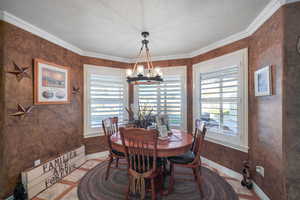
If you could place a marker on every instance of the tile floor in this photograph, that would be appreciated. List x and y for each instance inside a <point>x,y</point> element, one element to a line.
<point>66,189</point>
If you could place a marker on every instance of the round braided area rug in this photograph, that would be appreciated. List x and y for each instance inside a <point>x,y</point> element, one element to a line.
<point>93,185</point>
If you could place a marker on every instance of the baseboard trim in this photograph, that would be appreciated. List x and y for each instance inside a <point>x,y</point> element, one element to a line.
<point>10,198</point>
<point>236,175</point>
<point>259,192</point>
<point>97,155</point>
<point>223,169</point>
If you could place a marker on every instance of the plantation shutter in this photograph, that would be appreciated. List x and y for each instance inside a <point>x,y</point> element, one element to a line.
<point>107,99</point>
<point>220,100</point>
<point>165,98</point>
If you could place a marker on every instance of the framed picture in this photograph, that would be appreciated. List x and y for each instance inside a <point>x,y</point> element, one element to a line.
<point>298,45</point>
<point>51,83</point>
<point>162,122</point>
<point>263,81</point>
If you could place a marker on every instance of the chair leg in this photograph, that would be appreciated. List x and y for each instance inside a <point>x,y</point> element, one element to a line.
<point>108,167</point>
<point>165,167</point>
<point>117,162</point>
<point>128,188</point>
<point>199,181</point>
<point>161,184</point>
<point>195,174</point>
<point>171,179</point>
<point>153,195</point>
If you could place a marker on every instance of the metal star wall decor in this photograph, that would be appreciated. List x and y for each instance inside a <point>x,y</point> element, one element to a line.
<point>75,90</point>
<point>21,111</point>
<point>298,45</point>
<point>20,72</point>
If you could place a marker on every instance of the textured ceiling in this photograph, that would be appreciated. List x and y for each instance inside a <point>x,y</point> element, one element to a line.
<point>113,27</point>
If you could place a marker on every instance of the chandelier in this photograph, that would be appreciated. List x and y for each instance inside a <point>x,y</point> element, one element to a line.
<point>139,75</point>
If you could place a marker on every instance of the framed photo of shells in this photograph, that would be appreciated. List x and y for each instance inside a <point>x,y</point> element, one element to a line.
<point>51,83</point>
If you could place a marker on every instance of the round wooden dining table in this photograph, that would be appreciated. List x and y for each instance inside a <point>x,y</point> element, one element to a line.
<point>176,144</point>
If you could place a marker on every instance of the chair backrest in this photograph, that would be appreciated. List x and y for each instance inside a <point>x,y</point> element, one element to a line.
<point>198,124</point>
<point>200,132</point>
<point>140,149</point>
<point>110,127</point>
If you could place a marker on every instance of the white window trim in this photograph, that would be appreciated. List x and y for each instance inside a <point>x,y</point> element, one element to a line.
<point>88,132</point>
<point>236,58</point>
<point>174,71</point>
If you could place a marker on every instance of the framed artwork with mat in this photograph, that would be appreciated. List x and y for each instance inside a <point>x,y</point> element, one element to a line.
<point>51,83</point>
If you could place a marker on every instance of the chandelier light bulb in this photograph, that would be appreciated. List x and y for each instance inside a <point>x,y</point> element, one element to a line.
<point>140,69</point>
<point>129,72</point>
<point>157,70</point>
<point>160,74</point>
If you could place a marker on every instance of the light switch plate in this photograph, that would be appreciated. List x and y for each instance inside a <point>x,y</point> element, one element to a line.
<point>37,162</point>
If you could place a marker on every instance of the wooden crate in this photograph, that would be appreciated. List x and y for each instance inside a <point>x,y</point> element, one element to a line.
<point>41,177</point>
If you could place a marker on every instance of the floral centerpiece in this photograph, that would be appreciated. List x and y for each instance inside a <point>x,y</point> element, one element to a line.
<point>143,116</point>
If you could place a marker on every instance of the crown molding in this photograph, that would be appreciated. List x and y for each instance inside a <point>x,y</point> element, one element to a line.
<point>170,57</point>
<point>106,57</point>
<point>215,45</point>
<point>289,1</point>
<point>264,15</point>
<point>7,17</point>
<point>1,15</point>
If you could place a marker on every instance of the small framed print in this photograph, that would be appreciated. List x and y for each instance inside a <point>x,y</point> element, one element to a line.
<point>162,122</point>
<point>298,45</point>
<point>263,81</point>
<point>51,83</point>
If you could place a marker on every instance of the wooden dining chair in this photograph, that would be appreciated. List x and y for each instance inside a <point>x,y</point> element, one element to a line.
<point>110,127</point>
<point>142,162</point>
<point>191,159</point>
<point>197,126</point>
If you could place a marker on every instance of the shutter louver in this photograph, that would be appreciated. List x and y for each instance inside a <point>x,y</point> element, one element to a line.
<point>220,101</point>
<point>106,98</point>
<point>164,98</point>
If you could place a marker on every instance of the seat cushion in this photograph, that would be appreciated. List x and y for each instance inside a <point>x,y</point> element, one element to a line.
<point>186,158</point>
<point>118,153</point>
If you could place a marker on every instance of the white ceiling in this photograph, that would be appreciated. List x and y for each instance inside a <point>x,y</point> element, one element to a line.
<point>112,27</point>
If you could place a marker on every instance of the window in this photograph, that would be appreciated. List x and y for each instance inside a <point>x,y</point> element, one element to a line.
<point>221,98</point>
<point>169,97</point>
<point>105,96</point>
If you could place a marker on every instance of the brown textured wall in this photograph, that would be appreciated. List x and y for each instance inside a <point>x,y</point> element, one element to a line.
<point>103,62</point>
<point>240,44</point>
<point>292,100</point>
<point>265,124</point>
<point>49,129</point>
<point>1,105</point>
